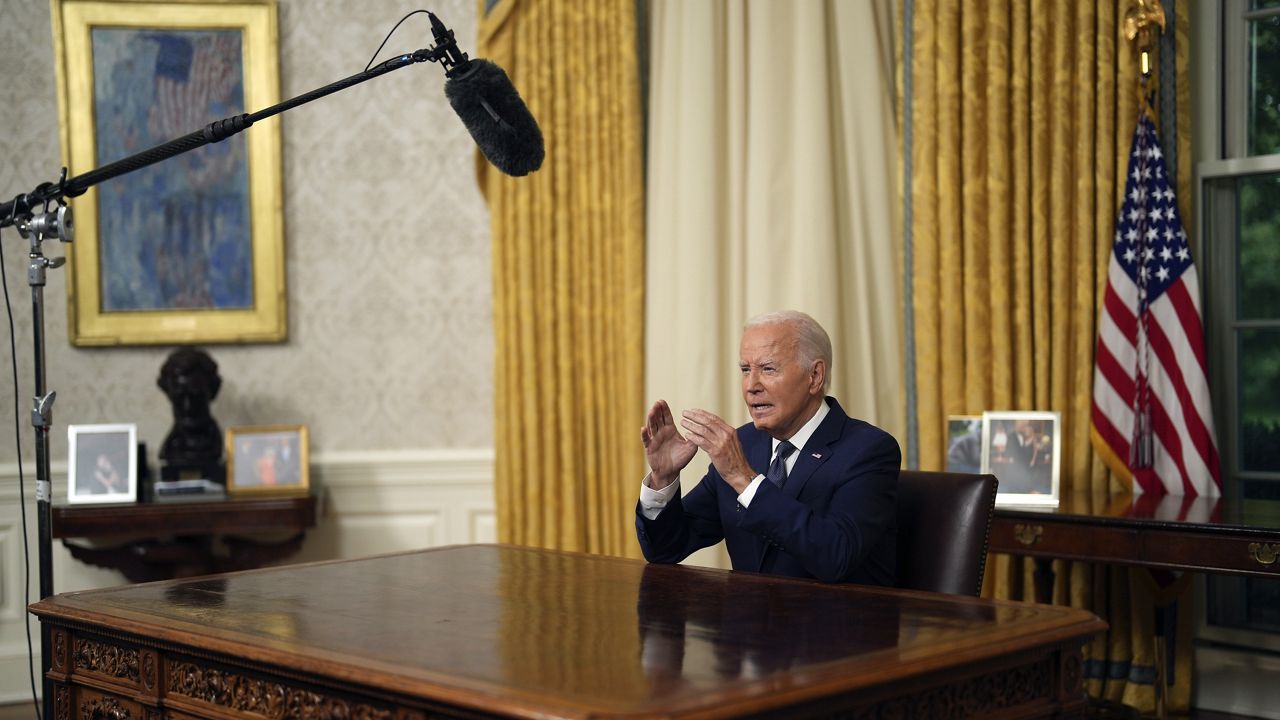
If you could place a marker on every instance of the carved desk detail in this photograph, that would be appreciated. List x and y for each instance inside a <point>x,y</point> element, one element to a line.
<point>263,697</point>
<point>106,659</point>
<point>104,709</point>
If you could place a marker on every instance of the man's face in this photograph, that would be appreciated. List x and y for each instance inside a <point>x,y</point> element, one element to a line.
<point>780,393</point>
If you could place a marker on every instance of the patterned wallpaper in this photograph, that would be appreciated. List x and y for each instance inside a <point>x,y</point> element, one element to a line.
<point>390,333</point>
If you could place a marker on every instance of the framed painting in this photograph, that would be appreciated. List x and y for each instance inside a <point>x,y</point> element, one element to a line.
<point>1023,450</point>
<point>102,463</point>
<point>191,249</point>
<point>268,459</point>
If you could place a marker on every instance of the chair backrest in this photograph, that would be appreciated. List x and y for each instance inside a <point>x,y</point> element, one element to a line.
<point>943,521</point>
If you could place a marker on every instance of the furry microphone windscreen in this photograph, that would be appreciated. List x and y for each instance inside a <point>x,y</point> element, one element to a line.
<point>496,117</point>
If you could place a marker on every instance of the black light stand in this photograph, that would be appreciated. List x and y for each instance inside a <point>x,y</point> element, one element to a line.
<point>30,213</point>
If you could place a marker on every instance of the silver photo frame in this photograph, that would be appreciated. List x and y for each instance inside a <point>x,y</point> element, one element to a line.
<point>102,463</point>
<point>1023,449</point>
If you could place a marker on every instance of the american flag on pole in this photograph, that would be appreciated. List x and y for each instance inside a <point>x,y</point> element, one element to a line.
<point>1152,420</point>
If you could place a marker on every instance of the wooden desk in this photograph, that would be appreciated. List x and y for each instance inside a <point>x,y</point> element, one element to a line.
<point>496,631</point>
<point>158,541</point>
<point>1198,534</point>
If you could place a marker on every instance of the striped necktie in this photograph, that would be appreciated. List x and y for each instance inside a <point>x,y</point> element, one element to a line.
<point>778,468</point>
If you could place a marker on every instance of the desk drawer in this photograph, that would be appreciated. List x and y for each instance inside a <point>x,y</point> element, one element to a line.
<point>1061,540</point>
<point>94,705</point>
<point>1213,553</point>
<point>1204,552</point>
<point>109,662</point>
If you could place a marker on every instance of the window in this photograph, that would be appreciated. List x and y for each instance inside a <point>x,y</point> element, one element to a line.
<point>1239,193</point>
<point>1262,23</point>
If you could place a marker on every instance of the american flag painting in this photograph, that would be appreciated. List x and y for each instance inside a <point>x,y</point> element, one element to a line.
<point>1152,419</point>
<point>176,235</point>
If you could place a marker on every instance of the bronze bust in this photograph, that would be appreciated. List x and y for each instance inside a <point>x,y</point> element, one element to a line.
<point>189,377</point>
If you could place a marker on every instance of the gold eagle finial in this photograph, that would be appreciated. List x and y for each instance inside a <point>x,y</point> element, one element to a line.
<point>1144,21</point>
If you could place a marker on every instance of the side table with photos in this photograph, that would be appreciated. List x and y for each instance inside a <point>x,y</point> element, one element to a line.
<point>220,502</point>
<point>176,538</point>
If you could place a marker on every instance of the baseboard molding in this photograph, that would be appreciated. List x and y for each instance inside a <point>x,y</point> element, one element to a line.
<point>15,680</point>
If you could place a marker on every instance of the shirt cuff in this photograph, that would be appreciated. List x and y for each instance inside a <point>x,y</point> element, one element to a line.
<point>653,501</point>
<point>745,498</point>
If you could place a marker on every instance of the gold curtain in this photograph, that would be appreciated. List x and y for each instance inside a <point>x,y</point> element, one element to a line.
<point>1022,117</point>
<point>568,278</point>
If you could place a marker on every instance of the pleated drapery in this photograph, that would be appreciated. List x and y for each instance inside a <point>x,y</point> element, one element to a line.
<point>568,279</point>
<point>1022,116</point>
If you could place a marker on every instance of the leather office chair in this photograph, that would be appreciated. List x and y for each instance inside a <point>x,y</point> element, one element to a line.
<point>943,522</point>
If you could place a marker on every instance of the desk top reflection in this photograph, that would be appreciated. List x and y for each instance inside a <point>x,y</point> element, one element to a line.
<point>523,632</point>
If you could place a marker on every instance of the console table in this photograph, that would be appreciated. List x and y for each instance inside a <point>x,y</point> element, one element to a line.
<point>499,631</point>
<point>1211,535</point>
<point>163,540</point>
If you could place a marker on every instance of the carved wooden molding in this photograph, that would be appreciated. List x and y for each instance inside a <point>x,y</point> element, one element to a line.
<point>1072,673</point>
<point>59,659</point>
<point>314,706</point>
<point>150,671</point>
<point>973,697</point>
<point>106,659</point>
<point>263,697</point>
<point>61,702</point>
<point>105,709</point>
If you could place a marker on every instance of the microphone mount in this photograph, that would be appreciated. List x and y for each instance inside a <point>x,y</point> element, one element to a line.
<point>446,50</point>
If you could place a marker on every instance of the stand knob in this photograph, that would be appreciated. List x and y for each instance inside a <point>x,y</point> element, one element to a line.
<point>58,223</point>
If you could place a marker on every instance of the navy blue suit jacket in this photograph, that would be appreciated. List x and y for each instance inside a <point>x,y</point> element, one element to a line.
<point>835,518</point>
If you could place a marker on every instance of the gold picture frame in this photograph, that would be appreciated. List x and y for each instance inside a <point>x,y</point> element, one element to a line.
<point>198,257</point>
<point>268,459</point>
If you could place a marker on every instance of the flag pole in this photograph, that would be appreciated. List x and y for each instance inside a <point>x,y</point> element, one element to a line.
<point>1144,22</point>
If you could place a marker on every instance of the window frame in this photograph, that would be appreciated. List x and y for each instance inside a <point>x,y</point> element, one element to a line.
<point>1220,144</point>
<point>1216,211</point>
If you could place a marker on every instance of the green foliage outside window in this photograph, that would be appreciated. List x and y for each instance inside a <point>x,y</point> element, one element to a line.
<point>1264,86</point>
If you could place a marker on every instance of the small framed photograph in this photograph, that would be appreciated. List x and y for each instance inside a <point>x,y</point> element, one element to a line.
<point>964,443</point>
<point>1022,449</point>
<point>268,459</point>
<point>102,466</point>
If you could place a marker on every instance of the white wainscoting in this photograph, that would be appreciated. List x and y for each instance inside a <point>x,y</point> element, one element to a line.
<point>370,503</point>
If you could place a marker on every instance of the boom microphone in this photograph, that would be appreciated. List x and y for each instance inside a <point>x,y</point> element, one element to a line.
<point>479,91</point>
<point>498,120</point>
<point>484,98</point>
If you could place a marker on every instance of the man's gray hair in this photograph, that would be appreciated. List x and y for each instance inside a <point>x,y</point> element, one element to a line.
<point>812,342</point>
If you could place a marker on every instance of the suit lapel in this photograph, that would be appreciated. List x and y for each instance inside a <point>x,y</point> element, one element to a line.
<point>817,451</point>
<point>759,452</point>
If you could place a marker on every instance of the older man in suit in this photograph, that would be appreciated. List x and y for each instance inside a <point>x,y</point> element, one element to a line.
<point>803,490</point>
